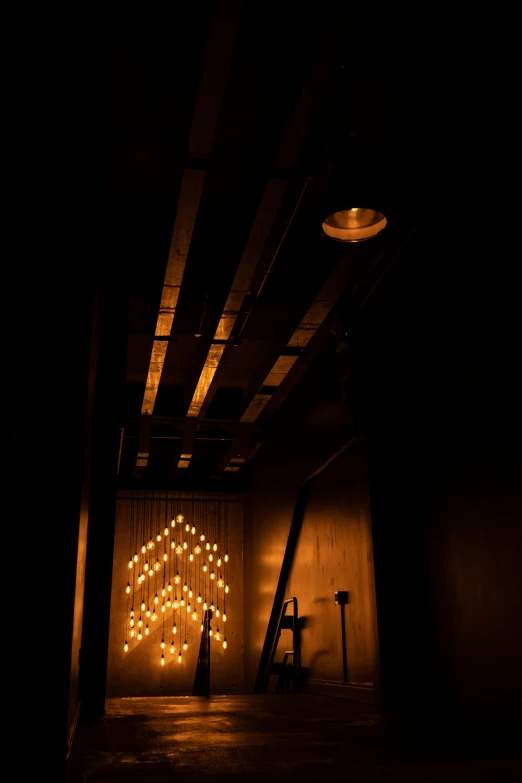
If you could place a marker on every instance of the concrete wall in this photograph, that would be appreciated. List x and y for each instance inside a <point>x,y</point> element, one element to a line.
<point>335,553</point>
<point>138,672</point>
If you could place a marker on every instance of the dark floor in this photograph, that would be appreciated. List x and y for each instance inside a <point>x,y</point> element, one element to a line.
<point>286,738</point>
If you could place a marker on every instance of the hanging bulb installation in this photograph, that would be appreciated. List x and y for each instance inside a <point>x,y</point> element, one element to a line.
<point>140,623</point>
<point>193,530</point>
<point>162,645</point>
<point>172,649</point>
<point>197,549</point>
<point>143,606</point>
<point>185,645</point>
<point>154,617</point>
<point>214,546</point>
<point>135,557</point>
<point>202,537</point>
<point>151,544</point>
<point>220,582</point>
<point>127,589</point>
<point>225,643</point>
<point>224,617</point>
<point>146,630</point>
<point>158,537</point>
<point>131,563</point>
<point>125,646</point>
<point>177,579</point>
<point>166,531</point>
<point>226,557</point>
<point>179,519</point>
<point>133,633</point>
<point>143,549</point>
<point>187,527</point>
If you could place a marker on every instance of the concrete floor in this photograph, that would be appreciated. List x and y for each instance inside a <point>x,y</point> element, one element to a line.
<point>286,738</point>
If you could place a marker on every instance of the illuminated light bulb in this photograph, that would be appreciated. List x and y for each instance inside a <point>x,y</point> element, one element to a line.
<point>197,549</point>
<point>211,557</point>
<point>214,546</point>
<point>217,612</point>
<point>191,557</point>
<point>177,579</point>
<point>218,635</point>
<point>172,649</point>
<point>202,537</point>
<point>220,582</point>
<point>188,608</point>
<point>146,630</point>
<point>187,527</point>
<point>195,616</point>
<point>185,645</point>
<point>182,602</point>
<point>139,637</point>
<point>185,545</point>
<point>179,549</point>
<point>158,537</point>
<point>226,557</point>
<point>147,613</point>
<point>163,660</point>
<point>151,572</point>
<point>225,643</point>
<point>166,531</point>
<point>185,587</point>
<point>219,562</point>
<point>131,623</point>
<point>143,549</point>
<point>211,632</point>
<point>207,545</point>
<point>174,629</point>
<point>168,602</point>
<point>180,518</point>
<point>205,567</point>
<point>202,627</point>
<point>227,588</point>
<point>163,607</point>
<point>143,606</point>
<point>175,603</point>
<point>179,658</point>
<point>151,544</point>
<point>173,545</point>
<point>212,606</point>
<point>135,557</point>
<point>199,598</point>
<point>165,557</point>
<point>224,617</point>
<point>193,530</point>
<point>169,587</point>
<point>131,563</point>
<point>125,646</point>
<point>156,599</point>
<point>140,623</point>
<point>132,612</point>
<point>173,523</point>
<point>146,566</point>
<point>212,575</point>
<point>163,590</point>
<point>139,579</point>
<point>162,645</point>
<point>133,633</point>
<point>157,565</point>
<point>154,617</point>
<point>190,592</point>
<point>127,589</point>
<point>205,606</point>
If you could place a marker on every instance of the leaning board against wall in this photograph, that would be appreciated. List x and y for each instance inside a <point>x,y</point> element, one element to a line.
<point>174,556</point>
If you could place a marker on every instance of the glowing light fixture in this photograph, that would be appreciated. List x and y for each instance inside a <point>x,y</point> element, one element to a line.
<point>354,225</point>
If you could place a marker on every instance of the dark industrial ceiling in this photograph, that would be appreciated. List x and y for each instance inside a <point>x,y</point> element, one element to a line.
<point>233,130</point>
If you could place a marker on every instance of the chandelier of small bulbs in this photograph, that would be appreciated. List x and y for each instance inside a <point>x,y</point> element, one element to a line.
<point>175,576</point>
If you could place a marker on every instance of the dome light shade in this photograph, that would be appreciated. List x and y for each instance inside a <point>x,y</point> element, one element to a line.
<point>354,225</point>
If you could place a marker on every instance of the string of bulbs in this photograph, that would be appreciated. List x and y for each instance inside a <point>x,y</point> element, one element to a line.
<point>174,574</point>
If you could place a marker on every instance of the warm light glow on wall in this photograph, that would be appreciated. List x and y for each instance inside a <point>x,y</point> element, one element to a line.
<point>158,547</point>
